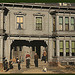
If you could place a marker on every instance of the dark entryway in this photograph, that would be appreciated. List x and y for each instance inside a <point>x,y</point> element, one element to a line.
<point>34,44</point>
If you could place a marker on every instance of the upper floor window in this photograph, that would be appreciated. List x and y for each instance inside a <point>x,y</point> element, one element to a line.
<point>72,23</point>
<point>66,23</point>
<point>19,22</point>
<point>38,23</point>
<point>61,48</point>
<point>60,23</point>
<point>73,48</point>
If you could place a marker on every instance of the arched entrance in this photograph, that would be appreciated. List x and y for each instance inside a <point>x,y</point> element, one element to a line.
<point>20,48</point>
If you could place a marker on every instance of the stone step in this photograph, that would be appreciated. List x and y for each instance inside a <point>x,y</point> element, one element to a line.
<point>40,63</point>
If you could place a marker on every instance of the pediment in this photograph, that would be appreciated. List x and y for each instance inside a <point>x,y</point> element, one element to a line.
<point>38,14</point>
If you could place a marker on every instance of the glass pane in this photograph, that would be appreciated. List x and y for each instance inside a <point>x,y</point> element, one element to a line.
<point>21,19</point>
<point>60,27</point>
<point>21,25</point>
<point>73,46</point>
<point>39,26</point>
<point>18,19</point>
<point>67,50</point>
<point>67,44</point>
<point>73,50</point>
<point>61,44</point>
<point>66,20</point>
<point>61,50</point>
<point>72,27</point>
<point>66,27</point>
<point>72,20</point>
<point>60,20</point>
<point>38,19</point>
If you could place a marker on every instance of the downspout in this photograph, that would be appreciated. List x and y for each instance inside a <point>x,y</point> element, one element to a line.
<point>4,35</point>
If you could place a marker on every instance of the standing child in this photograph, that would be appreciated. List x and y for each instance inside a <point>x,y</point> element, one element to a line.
<point>19,67</point>
<point>27,60</point>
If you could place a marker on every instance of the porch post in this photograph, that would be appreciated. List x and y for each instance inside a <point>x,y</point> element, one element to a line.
<point>1,49</point>
<point>7,48</point>
<point>50,50</point>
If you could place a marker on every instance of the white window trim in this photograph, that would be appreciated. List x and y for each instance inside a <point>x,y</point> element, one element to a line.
<point>43,21</point>
<point>24,22</point>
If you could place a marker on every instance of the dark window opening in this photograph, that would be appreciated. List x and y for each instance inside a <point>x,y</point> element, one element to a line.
<point>67,53</point>
<point>61,53</point>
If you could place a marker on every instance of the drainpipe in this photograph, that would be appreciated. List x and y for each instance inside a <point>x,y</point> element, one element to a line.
<point>4,35</point>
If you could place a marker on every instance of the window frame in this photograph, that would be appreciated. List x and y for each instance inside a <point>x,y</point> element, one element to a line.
<point>73,24</point>
<point>61,53</point>
<point>19,22</point>
<point>67,53</point>
<point>39,24</point>
<point>24,21</point>
<point>61,24</point>
<point>66,24</point>
<point>73,53</point>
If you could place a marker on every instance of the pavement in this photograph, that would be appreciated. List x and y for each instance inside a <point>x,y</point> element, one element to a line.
<point>39,69</point>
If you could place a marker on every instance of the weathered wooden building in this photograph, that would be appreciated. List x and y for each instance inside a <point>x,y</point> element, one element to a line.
<point>33,27</point>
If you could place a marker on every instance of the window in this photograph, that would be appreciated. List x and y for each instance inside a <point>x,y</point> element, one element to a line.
<point>19,22</point>
<point>38,23</point>
<point>73,48</point>
<point>67,48</point>
<point>54,27</point>
<point>72,23</point>
<point>61,48</point>
<point>66,23</point>
<point>54,46</point>
<point>60,23</point>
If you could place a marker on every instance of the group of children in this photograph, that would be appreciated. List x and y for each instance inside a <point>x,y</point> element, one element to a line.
<point>17,60</point>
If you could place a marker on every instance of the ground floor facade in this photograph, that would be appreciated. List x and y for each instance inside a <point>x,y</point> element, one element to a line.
<point>59,49</point>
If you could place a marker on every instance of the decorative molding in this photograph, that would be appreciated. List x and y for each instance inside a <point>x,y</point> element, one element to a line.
<point>38,14</point>
<point>20,13</point>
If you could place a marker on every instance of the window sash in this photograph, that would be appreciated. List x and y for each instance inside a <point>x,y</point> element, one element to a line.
<point>38,20</point>
<point>66,20</point>
<point>67,44</point>
<point>61,44</point>
<point>72,20</point>
<point>19,26</point>
<point>60,20</point>
<point>73,50</point>
<point>67,49</point>
<point>61,49</point>
<point>38,23</point>
<point>73,44</point>
<point>19,22</point>
<point>19,19</point>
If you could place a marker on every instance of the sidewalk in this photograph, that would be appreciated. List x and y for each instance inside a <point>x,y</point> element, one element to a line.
<point>39,70</point>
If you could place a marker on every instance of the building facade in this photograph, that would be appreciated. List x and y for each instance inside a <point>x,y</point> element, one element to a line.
<point>34,27</point>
